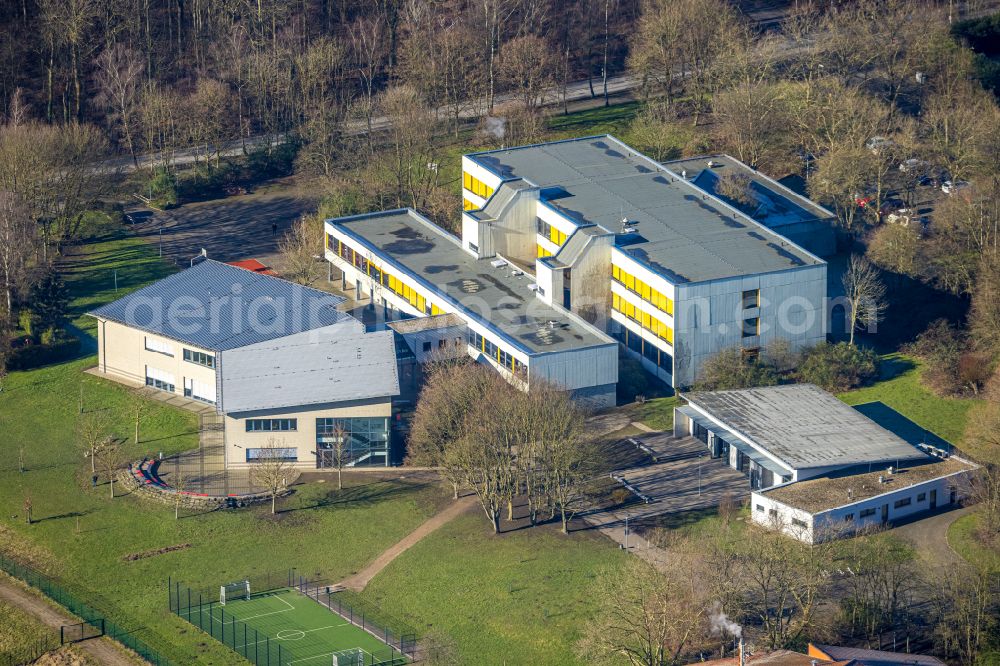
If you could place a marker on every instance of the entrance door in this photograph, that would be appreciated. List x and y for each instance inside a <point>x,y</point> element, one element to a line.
<point>953,496</point>
<point>885,513</point>
<point>933,499</point>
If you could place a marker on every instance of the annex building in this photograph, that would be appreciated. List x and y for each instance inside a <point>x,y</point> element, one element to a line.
<point>819,468</point>
<point>277,359</point>
<point>572,249</point>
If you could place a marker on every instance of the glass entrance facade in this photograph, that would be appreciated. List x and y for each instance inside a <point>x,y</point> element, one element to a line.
<point>366,441</point>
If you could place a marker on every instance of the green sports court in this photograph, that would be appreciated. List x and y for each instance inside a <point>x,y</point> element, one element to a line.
<point>285,627</point>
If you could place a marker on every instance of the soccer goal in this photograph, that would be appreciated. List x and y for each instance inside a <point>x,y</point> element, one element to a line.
<point>238,590</point>
<point>349,657</point>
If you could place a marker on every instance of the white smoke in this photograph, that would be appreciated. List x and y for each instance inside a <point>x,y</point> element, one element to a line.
<point>496,126</point>
<point>721,624</point>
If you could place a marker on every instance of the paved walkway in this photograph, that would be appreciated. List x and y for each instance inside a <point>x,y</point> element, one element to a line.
<point>686,479</point>
<point>360,580</point>
<point>100,649</point>
<point>929,536</point>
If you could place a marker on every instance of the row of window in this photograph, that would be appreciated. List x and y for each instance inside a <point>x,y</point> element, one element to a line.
<point>542,252</point>
<point>503,358</point>
<point>159,346</point>
<point>160,384</point>
<point>640,345</point>
<point>659,300</point>
<point>201,358</point>
<point>644,319</point>
<point>548,231</point>
<point>272,425</point>
<point>468,205</point>
<point>751,299</point>
<point>381,276</point>
<point>476,186</point>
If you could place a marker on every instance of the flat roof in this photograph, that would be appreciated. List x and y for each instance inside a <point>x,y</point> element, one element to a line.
<point>856,484</point>
<point>681,232</point>
<point>774,205</point>
<point>804,426</point>
<point>877,657</point>
<point>317,367</point>
<point>432,323</point>
<point>498,297</point>
<point>217,306</point>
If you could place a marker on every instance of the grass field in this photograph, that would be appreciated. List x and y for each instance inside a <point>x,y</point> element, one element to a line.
<point>900,388</point>
<point>963,539</point>
<point>286,627</point>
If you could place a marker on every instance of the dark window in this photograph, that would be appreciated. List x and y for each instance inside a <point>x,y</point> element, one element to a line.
<point>760,507</point>
<point>773,513</point>
<point>441,343</point>
<point>799,523</point>
<point>199,358</point>
<point>901,503</point>
<point>867,512</point>
<point>921,497</point>
<point>160,384</point>
<point>751,298</point>
<point>849,518</point>
<point>474,247</point>
<point>272,425</point>
<point>366,440</point>
<point>427,346</point>
<point>751,327</point>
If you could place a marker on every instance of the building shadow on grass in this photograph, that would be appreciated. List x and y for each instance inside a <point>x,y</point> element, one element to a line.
<point>367,494</point>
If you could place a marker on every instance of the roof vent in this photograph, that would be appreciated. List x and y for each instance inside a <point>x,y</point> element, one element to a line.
<point>881,479</point>
<point>533,287</point>
<point>552,323</point>
<point>711,163</point>
<point>498,263</point>
<point>891,471</point>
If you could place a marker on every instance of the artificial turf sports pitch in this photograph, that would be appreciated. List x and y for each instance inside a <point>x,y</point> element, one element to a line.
<point>307,633</point>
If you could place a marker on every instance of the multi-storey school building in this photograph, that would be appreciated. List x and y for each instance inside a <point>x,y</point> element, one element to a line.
<point>570,247</point>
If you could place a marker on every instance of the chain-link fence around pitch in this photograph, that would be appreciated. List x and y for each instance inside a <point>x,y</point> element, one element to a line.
<point>254,638</point>
<point>96,620</point>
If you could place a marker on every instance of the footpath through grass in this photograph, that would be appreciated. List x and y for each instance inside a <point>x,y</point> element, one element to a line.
<point>111,551</point>
<point>522,597</point>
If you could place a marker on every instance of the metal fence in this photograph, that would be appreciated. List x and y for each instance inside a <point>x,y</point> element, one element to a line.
<point>324,594</point>
<point>202,609</point>
<point>27,654</point>
<point>83,610</point>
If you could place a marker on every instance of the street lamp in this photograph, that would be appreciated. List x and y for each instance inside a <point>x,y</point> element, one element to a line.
<point>161,242</point>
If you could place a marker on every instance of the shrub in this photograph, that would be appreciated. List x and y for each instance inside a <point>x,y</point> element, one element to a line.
<point>162,188</point>
<point>27,319</point>
<point>949,367</point>
<point>733,368</point>
<point>62,348</point>
<point>620,496</point>
<point>838,367</point>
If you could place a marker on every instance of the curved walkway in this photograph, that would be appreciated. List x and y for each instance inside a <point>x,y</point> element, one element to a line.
<point>360,580</point>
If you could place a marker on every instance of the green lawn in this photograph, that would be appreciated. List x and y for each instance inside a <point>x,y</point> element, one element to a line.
<point>517,598</point>
<point>900,388</point>
<point>612,119</point>
<point>962,538</point>
<point>82,536</point>
<point>657,413</point>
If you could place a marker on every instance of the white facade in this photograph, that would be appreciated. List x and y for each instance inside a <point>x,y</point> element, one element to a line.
<point>942,492</point>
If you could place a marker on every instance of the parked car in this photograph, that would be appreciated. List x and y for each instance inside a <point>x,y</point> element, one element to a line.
<point>877,143</point>
<point>952,186</point>
<point>913,165</point>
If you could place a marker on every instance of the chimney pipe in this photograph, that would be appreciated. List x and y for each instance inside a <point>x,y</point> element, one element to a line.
<point>742,653</point>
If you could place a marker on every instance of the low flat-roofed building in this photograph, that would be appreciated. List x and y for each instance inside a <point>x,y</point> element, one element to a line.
<point>843,502</point>
<point>411,268</point>
<point>866,657</point>
<point>779,434</point>
<point>277,359</point>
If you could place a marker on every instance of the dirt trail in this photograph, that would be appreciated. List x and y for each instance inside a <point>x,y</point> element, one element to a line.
<point>360,580</point>
<point>99,649</point>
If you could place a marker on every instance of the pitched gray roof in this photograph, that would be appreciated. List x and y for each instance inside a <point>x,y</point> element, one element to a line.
<point>216,306</point>
<point>804,426</point>
<point>682,232</point>
<point>329,365</point>
<point>878,657</point>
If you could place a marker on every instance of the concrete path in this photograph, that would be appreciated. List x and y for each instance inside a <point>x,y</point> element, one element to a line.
<point>685,480</point>
<point>360,580</point>
<point>929,536</point>
<point>100,649</point>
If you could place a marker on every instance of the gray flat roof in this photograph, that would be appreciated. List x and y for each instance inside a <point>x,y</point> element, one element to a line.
<point>495,297</point>
<point>317,367</point>
<point>775,205</point>
<point>432,323</point>
<point>216,306</point>
<point>804,426</point>
<point>681,231</point>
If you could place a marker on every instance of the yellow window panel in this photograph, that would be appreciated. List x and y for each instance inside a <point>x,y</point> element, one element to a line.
<point>435,310</point>
<point>615,272</point>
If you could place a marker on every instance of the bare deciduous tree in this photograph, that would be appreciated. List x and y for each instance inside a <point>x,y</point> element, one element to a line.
<point>92,430</point>
<point>17,244</point>
<point>271,470</point>
<point>111,454</point>
<point>118,78</point>
<point>137,407</point>
<point>864,294</point>
<point>648,617</point>
<point>299,250</point>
